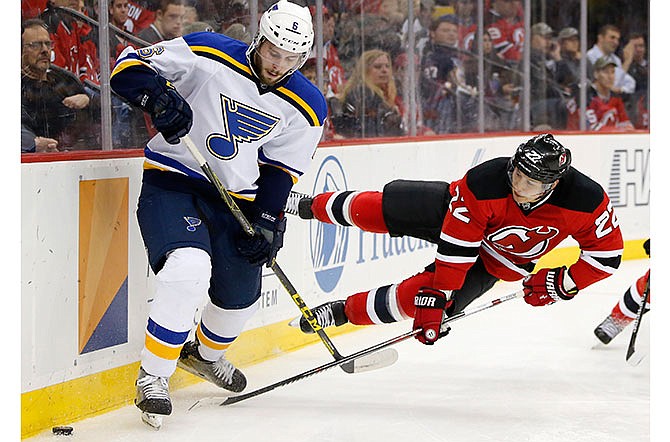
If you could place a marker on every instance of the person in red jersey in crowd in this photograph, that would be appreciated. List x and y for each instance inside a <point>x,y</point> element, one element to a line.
<point>605,108</point>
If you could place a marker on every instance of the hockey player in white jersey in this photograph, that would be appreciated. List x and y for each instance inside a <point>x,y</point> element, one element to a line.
<point>257,122</point>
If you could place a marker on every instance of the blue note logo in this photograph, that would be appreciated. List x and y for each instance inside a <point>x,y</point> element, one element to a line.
<point>241,124</point>
<point>192,223</point>
<point>328,242</point>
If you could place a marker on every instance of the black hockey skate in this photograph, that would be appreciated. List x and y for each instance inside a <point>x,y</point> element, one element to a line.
<point>153,395</point>
<point>326,315</point>
<point>221,372</point>
<point>305,208</point>
<point>608,329</point>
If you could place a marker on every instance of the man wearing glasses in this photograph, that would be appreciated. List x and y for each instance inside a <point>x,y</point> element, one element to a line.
<point>51,99</point>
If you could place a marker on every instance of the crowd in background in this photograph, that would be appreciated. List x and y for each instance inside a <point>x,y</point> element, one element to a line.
<point>382,75</point>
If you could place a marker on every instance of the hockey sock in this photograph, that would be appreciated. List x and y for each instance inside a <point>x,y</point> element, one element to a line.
<point>181,286</point>
<point>219,327</point>
<point>349,208</point>
<point>626,309</point>
<point>390,303</point>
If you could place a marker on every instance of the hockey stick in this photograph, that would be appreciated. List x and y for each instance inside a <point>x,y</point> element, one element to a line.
<point>636,327</point>
<point>351,365</point>
<point>467,312</point>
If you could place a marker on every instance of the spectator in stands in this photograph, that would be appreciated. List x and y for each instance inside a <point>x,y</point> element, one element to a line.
<point>361,32</point>
<point>448,101</point>
<point>74,46</point>
<point>142,13</point>
<point>190,15</point>
<point>309,70</point>
<point>239,32</point>
<point>52,100</point>
<point>236,12</point>
<point>636,64</point>
<point>605,109</point>
<point>501,88</point>
<point>334,68</point>
<point>369,99</point>
<point>168,23</point>
<point>405,89</point>
<point>118,16</point>
<point>390,11</point>
<point>606,45</point>
<point>505,23</point>
<point>548,106</point>
<point>467,23</point>
<point>423,15</point>
<point>569,64</point>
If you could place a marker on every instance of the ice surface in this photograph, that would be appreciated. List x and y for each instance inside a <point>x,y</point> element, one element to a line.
<point>510,373</point>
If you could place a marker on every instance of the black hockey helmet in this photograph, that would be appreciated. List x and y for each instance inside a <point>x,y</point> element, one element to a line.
<point>541,158</point>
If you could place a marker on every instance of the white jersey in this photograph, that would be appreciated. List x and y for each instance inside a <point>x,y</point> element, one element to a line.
<point>237,124</point>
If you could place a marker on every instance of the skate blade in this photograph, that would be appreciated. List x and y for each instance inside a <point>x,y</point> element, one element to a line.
<point>155,421</point>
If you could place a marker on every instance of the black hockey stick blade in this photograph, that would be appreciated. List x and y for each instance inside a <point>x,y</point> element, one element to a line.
<point>636,327</point>
<point>367,351</point>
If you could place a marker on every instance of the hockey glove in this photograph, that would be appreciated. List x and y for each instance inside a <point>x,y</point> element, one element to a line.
<point>548,286</point>
<point>170,114</point>
<point>430,306</point>
<point>262,247</point>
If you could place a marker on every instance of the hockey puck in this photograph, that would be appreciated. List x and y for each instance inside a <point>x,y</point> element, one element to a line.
<point>62,430</point>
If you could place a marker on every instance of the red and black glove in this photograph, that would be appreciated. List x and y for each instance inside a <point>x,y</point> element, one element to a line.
<point>548,286</point>
<point>430,306</point>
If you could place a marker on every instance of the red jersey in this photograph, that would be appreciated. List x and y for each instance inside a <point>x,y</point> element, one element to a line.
<point>32,8</point>
<point>336,77</point>
<point>73,45</point>
<point>141,15</point>
<point>507,36</point>
<point>467,33</point>
<point>483,220</point>
<point>601,113</point>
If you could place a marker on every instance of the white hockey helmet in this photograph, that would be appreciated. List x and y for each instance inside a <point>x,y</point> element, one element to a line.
<point>287,26</point>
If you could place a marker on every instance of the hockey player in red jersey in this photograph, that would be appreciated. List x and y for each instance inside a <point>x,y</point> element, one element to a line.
<point>492,224</point>
<point>626,309</point>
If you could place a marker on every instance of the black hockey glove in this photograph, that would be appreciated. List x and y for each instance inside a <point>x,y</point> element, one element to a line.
<point>431,305</point>
<point>262,247</point>
<point>170,114</point>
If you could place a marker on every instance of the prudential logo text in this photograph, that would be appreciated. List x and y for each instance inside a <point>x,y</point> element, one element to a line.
<point>328,242</point>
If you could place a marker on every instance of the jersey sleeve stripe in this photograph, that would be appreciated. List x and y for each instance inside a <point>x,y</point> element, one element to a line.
<point>222,57</point>
<point>174,165</point>
<point>263,159</point>
<point>300,104</point>
<point>459,242</point>
<point>128,62</point>
<point>455,259</point>
<point>607,265</point>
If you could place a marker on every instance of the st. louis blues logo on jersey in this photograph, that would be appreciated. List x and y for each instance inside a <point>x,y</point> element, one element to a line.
<point>242,124</point>
<point>192,222</point>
